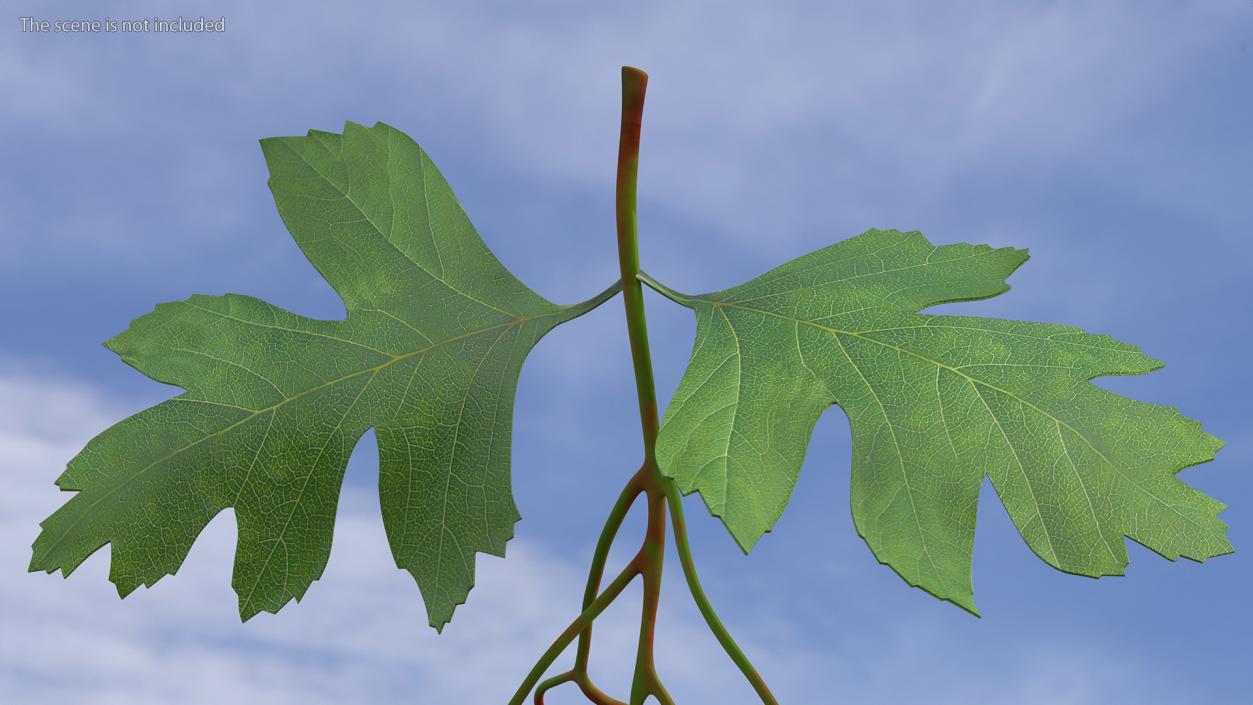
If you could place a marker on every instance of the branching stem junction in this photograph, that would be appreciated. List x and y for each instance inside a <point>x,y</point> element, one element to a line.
<point>658,491</point>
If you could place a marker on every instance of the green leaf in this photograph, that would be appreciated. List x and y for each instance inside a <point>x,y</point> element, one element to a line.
<point>935,403</point>
<point>428,355</point>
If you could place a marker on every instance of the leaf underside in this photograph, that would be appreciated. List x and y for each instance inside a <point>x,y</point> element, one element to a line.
<point>428,355</point>
<point>935,403</point>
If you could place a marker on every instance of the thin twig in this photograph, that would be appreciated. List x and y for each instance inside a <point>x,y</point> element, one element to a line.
<point>578,625</point>
<point>702,602</point>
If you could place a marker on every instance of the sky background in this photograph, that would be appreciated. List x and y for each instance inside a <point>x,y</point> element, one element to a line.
<point>1113,139</point>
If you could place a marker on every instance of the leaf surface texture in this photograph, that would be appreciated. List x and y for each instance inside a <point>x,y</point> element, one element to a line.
<point>428,355</point>
<point>935,403</point>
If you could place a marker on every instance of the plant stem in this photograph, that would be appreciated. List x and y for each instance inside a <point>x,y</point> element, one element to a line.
<point>645,681</point>
<point>634,82</point>
<point>551,683</point>
<point>593,693</point>
<point>702,602</point>
<point>597,570</point>
<point>580,678</point>
<point>584,306</point>
<point>577,626</point>
<point>659,491</point>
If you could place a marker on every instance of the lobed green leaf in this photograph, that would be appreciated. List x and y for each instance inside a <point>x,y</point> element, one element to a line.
<point>936,403</point>
<point>428,355</point>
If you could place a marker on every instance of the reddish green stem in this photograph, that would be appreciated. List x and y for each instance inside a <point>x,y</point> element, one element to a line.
<point>702,602</point>
<point>576,627</point>
<point>634,83</point>
<point>597,570</point>
<point>658,490</point>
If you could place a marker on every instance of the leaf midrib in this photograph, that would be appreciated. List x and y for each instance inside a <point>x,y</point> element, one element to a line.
<point>900,456</point>
<point>384,236</point>
<point>280,539</point>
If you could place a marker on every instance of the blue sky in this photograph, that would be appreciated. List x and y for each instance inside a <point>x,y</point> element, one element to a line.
<point>1110,138</point>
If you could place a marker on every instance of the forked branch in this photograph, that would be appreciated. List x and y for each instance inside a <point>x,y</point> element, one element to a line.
<point>659,491</point>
